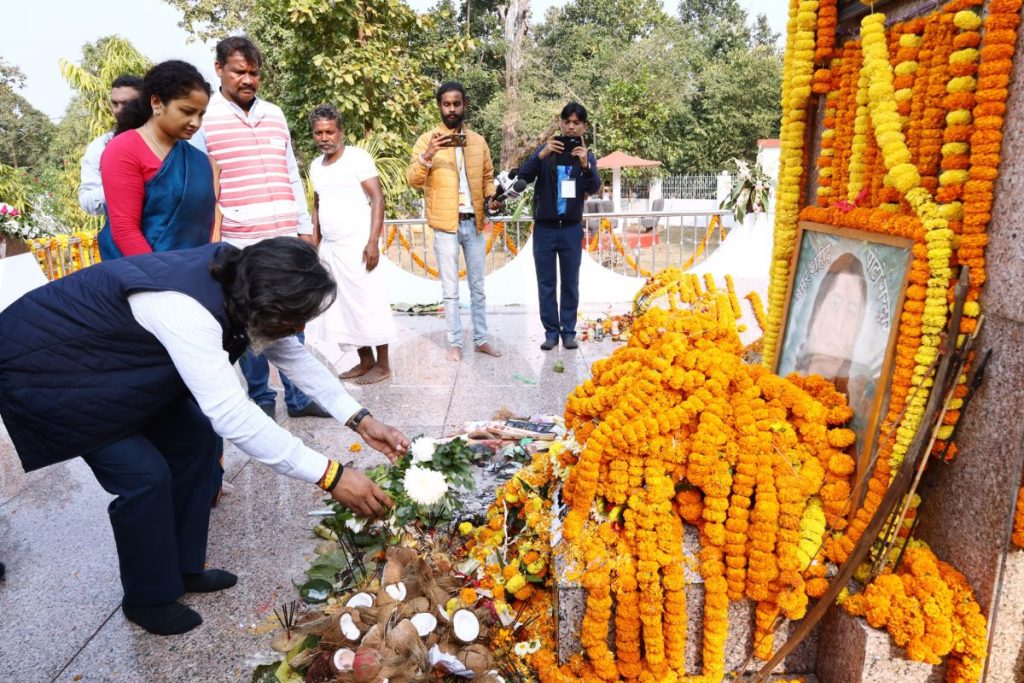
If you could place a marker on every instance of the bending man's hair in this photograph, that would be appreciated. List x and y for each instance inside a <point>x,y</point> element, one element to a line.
<point>273,285</point>
<point>170,80</point>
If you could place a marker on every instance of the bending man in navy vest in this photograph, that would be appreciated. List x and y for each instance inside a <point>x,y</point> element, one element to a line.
<point>566,173</point>
<point>127,364</point>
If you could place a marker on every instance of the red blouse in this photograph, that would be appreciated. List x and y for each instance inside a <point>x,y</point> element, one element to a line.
<point>126,166</point>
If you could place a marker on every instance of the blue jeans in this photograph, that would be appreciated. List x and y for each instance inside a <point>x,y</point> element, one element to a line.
<point>446,249</point>
<point>256,371</point>
<point>566,246</point>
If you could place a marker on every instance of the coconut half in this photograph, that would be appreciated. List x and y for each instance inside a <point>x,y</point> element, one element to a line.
<point>342,659</point>
<point>465,625</point>
<point>396,591</point>
<point>348,627</point>
<point>424,622</point>
<point>360,600</point>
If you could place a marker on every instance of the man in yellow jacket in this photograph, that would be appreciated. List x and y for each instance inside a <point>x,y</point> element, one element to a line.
<point>452,165</point>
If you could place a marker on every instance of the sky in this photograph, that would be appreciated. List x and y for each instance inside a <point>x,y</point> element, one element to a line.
<point>44,31</point>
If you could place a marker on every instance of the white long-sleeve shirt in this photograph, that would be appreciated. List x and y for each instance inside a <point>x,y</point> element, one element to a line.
<point>193,339</point>
<point>90,191</point>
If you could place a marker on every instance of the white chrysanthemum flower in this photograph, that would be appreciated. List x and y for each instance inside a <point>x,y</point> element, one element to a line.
<point>355,524</point>
<point>423,449</point>
<point>521,649</point>
<point>424,486</point>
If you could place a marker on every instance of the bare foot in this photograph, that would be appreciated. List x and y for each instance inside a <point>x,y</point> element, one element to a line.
<point>376,374</point>
<point>357,371</point>
<point>455,354</point>
<point>488,349</point>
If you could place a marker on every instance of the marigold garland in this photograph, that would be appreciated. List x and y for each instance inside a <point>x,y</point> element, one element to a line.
<point>678,409</point>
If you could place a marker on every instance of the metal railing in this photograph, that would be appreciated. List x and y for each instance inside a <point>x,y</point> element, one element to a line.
<point>633,244</point>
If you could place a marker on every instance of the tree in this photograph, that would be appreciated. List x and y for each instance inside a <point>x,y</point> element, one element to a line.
<point>367,57</point>
<point>102,62</point>
<point>515,15</point>
<point>214,19</point>
<point>24,130</point>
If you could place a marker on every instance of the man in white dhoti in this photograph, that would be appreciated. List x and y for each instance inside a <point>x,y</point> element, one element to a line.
<point>348,217</point>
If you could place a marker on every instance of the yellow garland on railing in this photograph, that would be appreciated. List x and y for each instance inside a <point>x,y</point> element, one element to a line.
<point>64,254</point>
<point>498,231</point>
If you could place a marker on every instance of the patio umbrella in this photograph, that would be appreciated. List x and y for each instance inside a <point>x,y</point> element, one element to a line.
<point>617,161</point>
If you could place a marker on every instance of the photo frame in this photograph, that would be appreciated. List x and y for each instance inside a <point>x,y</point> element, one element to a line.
<point>841,318</point>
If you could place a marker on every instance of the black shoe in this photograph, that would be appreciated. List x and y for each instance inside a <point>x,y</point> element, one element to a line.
<point>312,410</point>
<point>163,620</point>
<point>270,409</point>
<point>569,341</point>
<point>549,343</point>
<point>209,581</point>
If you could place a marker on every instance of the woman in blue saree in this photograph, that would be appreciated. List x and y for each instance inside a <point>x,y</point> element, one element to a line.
<point>161,191</point>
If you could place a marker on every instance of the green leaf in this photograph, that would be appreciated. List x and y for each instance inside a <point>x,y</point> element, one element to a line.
<point>315,590</point>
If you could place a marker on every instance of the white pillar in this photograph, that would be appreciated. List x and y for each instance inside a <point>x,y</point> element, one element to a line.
<point>654,191</point>
<point>617,189</point>
<point>724,187</point>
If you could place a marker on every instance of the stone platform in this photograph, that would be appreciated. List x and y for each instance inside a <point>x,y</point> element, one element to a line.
<point>59,607</point>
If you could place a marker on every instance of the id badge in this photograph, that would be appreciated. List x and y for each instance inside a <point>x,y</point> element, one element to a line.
<point>569,189</point>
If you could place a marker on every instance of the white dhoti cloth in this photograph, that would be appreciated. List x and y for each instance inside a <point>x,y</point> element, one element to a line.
<point>361,314</point>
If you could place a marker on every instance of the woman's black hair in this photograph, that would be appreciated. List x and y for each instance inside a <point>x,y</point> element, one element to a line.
<point>170,80</point>
<point>326,112</point>
<point>273,285</point>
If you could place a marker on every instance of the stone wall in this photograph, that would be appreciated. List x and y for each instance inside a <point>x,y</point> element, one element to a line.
<point>967,515</point>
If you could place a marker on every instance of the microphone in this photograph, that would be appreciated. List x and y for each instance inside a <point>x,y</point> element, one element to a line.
<point>510,188</point>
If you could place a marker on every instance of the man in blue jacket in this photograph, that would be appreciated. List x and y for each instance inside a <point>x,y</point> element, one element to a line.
<point>566,173</point>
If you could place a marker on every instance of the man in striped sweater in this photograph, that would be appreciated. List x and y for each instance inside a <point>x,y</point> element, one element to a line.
<point>261,192</point>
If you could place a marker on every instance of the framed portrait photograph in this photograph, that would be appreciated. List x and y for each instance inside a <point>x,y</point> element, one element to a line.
<point>842,315</point>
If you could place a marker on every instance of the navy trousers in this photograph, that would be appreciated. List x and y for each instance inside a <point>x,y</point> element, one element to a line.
<point>164,477</point>
<point>557,253</point>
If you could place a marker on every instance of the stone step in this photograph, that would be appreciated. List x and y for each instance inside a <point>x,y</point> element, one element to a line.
<point>850,651</point>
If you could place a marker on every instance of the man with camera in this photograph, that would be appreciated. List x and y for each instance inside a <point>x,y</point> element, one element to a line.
<point>452,165</point>
<point>566,173</point>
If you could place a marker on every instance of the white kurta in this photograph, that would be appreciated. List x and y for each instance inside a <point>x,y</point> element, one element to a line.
<point>361,315</point>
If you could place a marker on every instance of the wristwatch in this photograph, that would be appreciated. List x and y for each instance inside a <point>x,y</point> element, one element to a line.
<point>423,160</point>
<point>353,422</point>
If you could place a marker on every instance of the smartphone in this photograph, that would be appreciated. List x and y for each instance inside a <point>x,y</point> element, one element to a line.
<point>569,142</point>
<point>457,140</point>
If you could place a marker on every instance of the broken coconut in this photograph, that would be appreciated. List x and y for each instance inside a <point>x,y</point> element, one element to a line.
<point>348,627</point>
<point>465,625</point>
<point>424,622</point>
<point>396,591</point>
<point>360,600</point>
<point>342,660</point>
<point>366,665</point>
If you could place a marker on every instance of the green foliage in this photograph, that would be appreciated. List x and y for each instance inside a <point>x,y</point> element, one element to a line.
<point>750,190</point>
<point>15,189</point>
<point>24,130</point>
<point>102,62</point>
<point>370,58</point>
<point>214,19</point>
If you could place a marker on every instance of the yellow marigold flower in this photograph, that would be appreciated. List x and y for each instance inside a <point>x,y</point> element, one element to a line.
<point>966,20</point>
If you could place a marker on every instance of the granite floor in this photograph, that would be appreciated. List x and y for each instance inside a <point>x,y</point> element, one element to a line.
<point>59,607</point>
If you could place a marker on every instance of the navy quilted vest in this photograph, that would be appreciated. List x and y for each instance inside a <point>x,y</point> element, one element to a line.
<point>77,372</point>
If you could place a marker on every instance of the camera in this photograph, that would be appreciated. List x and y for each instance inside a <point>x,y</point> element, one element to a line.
<point>457,140</point>
<point>569,142</point>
